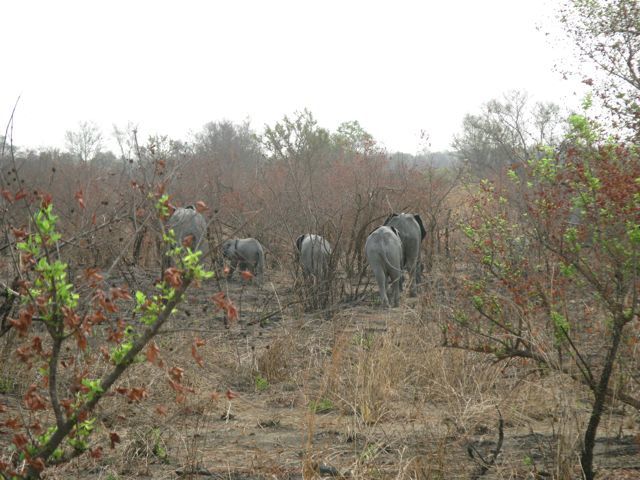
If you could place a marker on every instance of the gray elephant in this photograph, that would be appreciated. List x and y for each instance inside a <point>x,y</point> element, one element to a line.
<point>384,253</point>
<point>189,228</point>
<point>315,253</point>
<point>412,233</point>
<point>245,253</point>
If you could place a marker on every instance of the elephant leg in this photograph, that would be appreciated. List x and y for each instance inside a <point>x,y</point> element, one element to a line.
<point>413,280</point>
<point>419,267</point>
<point>232,268</point>
<point>260,269</point>
<point>396,280</point>
<point>381,279</point>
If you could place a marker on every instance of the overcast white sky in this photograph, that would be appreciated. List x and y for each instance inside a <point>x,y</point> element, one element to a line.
<point>398,67</point>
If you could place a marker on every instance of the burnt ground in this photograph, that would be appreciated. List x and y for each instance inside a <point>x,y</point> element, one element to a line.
<point>368,393</point>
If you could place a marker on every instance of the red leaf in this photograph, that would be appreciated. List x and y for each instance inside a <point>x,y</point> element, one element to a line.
<point>7,196</point>
<point>231,394</point>
<point>114,438</point>
<point>223,303</point>
<point>161,410</point>
<point>187,241</point>
<point>137,394</point>
<point>38,464</point>
<point>79,197</point>
<point>196,356</point>
<point>173,277</point>
<point>33,400</point>
<point>96,453</point>
<point>246,275</point>
<point>93,275</point>
<point>177,374</point>
<point>152,352</point>
<point>45,199</point>
<point>13,423</point>
<point>18,233</point>
<point>119,292</point>
<point>20,440</point>
<point>20,194</point>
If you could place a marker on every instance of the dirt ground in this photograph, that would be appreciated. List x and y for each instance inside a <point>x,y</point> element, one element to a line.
<point>366,393</point>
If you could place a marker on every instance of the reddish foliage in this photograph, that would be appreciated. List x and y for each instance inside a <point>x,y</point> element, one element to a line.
<point>230,394</point>
<point>201,206</point>
<point>33,400</point>
<point>153,354</point>
<point>187,241</point>
<point>114,438</point>
<point>120,293</point>
<point>133,394</point>
<point>19,233</point>
<point>246,275</point>
<point>20,194</point>
<point>176,374</point>
<point>13,423</point>
<point>194,351</point>
<point>96,453</point>
<point>20,440</point>
<point>25,317</point>
<point>93,276</point>
<point>117,334</point>
<point>173,277</point>
<point>223,303</point>
<point>38,464</point>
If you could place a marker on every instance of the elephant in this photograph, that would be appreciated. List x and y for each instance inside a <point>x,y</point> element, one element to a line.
<point>246,253</point>
<point>187,222</point>
<point>412,232</point>
<point>384,253</point>
<point>315,253</point>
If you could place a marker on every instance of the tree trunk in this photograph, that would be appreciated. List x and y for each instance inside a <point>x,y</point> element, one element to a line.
<point>586,456</point>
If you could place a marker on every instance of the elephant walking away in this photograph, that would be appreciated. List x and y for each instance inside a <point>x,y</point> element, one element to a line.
<point>412,233</point>
<point>189,228</point>
<point>315,253</point>
<point>246,254</point>
<point>384,254</point>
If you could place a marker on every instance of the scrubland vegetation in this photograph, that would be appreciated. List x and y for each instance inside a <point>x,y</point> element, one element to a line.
<point>518,358</point>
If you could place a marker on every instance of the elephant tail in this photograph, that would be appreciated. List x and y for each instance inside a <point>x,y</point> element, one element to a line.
<point>389,264</point>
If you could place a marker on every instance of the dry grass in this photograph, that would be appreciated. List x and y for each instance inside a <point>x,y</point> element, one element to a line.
<point>368,394</point>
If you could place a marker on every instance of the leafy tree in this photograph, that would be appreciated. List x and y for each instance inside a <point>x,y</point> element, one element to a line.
<point>352,137</point>
<point>606,35</point>
<point>561,295</point>
<point>296,140</point>
<point>86,142</point>
<point>506,131</point>
<point>83,323</point>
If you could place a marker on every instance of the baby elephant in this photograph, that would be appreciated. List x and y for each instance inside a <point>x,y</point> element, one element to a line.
<point>246,253</point>
<point>384,253</point>
<point>315,253</point>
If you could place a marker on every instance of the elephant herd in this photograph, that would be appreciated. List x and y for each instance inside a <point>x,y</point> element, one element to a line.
<point>391,249</point>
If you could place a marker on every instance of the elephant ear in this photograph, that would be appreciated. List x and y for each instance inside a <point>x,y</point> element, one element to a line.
<point>299,241</point>
<point>389,218</point>
<point>423,232</point>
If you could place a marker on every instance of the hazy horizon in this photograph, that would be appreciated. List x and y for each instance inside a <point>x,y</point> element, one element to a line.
<point>398,70</point>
